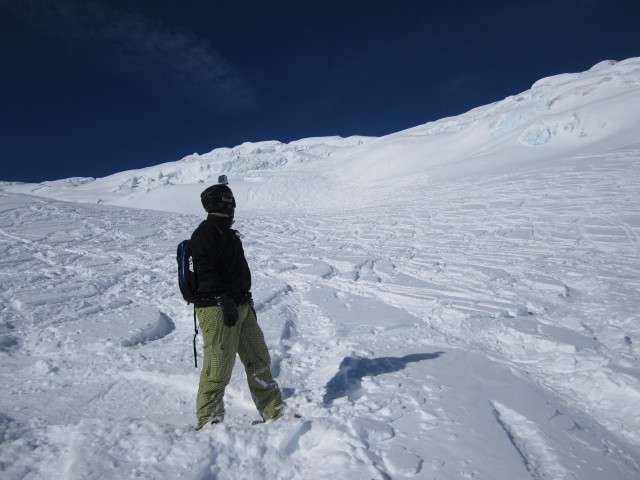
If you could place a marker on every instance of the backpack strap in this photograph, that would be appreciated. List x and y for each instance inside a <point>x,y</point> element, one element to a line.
<point>195,326</point>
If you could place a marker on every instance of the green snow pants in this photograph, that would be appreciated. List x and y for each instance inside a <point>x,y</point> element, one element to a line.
<point>221,343</point>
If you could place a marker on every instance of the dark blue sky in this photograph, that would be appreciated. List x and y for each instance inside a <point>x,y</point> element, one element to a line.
<point>94,87</point>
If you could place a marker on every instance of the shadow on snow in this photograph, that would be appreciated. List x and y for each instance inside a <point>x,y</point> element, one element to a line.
<point>347,382</point>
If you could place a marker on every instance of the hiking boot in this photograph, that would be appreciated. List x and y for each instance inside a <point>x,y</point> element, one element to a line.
<point>211,421</point>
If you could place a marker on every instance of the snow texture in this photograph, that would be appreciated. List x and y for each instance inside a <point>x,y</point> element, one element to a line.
<point>457,300</point>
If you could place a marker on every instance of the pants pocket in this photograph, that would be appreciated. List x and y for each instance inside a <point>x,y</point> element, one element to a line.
<point>221,364</point>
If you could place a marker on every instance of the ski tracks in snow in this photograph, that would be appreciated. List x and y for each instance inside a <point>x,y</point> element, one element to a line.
<point>503,266</point>
<point>484,328</point>
<point>83,297</point>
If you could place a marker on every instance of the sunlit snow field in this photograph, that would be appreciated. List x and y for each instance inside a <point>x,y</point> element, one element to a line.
<point>458,300</point>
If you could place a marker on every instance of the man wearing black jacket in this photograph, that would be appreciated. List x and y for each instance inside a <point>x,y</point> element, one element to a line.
<point>228,320</point>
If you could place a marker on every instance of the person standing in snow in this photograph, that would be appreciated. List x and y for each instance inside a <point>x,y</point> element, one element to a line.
<point>228,321</point>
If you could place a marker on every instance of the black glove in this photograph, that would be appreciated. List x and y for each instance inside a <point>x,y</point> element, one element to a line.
<point>229,309</point>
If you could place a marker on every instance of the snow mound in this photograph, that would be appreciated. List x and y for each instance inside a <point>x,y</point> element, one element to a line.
<point>126,327</point>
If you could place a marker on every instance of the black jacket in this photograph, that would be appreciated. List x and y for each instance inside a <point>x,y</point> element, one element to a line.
<point>219,261</point>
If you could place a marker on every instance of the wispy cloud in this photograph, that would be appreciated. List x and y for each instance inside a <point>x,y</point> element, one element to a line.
<point>140,49</point>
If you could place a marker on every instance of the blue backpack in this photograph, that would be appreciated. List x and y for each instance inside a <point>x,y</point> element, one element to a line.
<point>187,280</point>
<point>188,283</point>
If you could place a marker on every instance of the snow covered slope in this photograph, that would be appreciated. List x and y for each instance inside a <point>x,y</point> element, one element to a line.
<point>173,186</point>
<point>456,300</point>
<point>561,116</point>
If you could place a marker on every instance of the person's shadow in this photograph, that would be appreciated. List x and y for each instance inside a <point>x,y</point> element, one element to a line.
<point>348,381</point>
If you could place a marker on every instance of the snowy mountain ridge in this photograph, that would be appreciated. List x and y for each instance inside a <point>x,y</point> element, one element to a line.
<point>565,114</point>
